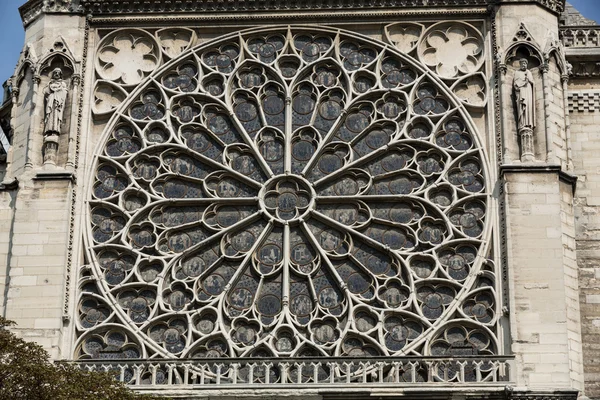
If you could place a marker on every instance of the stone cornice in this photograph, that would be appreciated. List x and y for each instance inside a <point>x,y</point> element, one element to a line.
<point>96,7</point>
<point>320,16</point>
<point>56,175</point>
<point>527,168</point>
<point>9,184</point>
<point>525,394</point>
<point>33,8</point>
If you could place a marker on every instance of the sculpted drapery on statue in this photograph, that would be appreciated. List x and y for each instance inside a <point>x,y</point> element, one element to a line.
<point>524,94</point>
<point>55,95</point>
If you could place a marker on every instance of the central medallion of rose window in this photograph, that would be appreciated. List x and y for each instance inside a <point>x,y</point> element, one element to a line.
<point>289,193</point>
<point>287,198</point>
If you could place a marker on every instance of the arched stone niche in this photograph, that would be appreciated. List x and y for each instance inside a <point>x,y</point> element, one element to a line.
<point>59,145</point>
<point>531,147</point>
<point>32,82</point>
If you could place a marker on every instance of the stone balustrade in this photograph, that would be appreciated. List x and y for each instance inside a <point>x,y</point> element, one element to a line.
<point>580,37</point>
<point>371,372</point>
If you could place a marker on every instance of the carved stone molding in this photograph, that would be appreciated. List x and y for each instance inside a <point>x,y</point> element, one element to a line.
<point>161,6</point>
<point>9,184</point>
<point>119,6</point>
<point>515,394</point>
<point>58,55</point>
<point>585,69</point>
<point>554,5</point>
<point>127,56</point>
<point>305,16</point>
<point>570,179</point>
<point>55,176</point>
<point>33,8</point>
<point>584,101</point>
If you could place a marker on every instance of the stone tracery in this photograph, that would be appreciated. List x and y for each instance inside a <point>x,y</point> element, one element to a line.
<point>127,56</point>
<point>290,194</point>
<point>452,49</point>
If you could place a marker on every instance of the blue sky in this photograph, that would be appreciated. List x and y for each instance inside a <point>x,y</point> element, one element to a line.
<point>12,35</point>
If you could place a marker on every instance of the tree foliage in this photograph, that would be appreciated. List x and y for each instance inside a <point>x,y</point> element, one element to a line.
<point>26,373</point>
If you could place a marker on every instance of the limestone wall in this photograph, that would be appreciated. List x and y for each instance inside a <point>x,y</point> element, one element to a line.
<point>37,262</point>
<point>540,223</point>
<point>585,120</point>
<point>35,215</point>
<point>537,226</point>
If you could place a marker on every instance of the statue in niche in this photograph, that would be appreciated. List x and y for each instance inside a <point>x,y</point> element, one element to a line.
<point>55,96</point>
<point>523,85</point>
<point>524,92</point>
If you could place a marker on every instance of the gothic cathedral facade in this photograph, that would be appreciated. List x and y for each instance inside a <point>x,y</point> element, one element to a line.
<point>302,198</point>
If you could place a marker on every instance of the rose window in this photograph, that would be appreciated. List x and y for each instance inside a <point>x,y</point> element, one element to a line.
<point>286,193</point>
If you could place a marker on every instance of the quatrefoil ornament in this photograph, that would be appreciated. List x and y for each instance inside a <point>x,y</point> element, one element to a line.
<point>287,199</point>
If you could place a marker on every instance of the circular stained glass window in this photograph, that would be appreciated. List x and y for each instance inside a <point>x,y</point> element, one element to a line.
<point>255,198</point>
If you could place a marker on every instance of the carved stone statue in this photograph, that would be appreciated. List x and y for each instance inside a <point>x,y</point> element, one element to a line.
<point>524,92</point>
<point>55,95</point>
<point>523,86</point>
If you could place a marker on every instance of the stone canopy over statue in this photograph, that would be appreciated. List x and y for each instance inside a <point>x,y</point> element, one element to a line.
<point>524,92</point>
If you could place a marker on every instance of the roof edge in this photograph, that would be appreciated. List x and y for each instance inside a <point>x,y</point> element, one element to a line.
<point>33,8</point>
<point>182,6</point>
